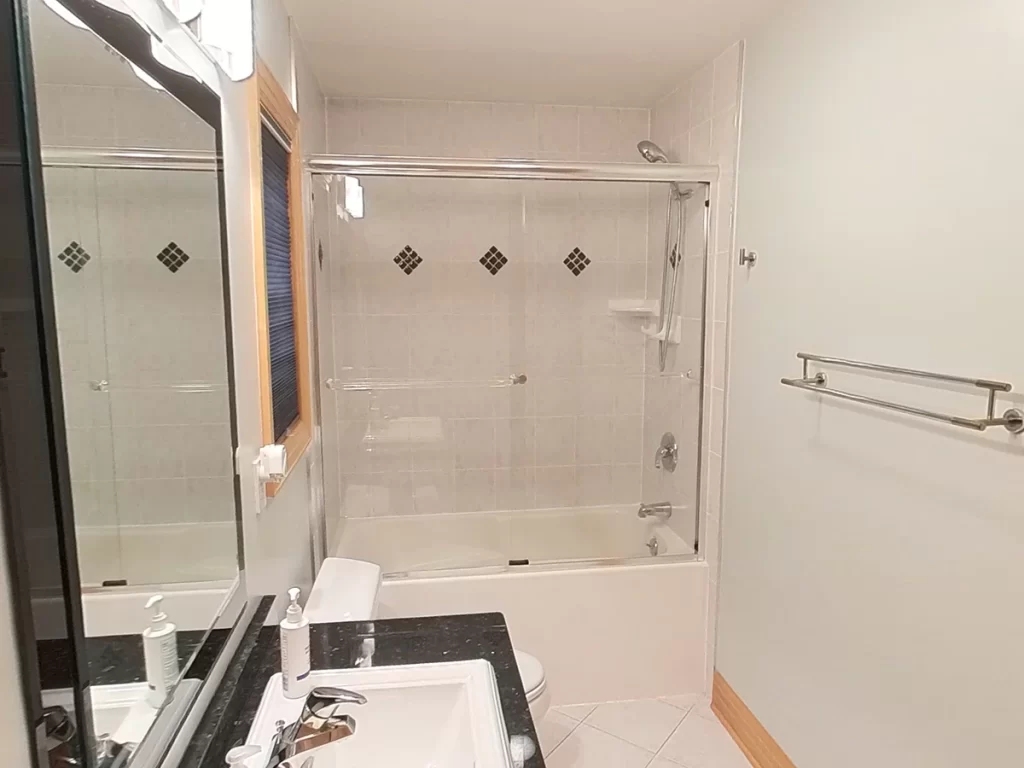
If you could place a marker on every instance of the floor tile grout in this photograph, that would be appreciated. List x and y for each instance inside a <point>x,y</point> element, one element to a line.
<point>576,724</point>
<point>686,714</point>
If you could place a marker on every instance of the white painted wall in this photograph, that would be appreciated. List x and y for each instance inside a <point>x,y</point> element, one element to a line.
<point>274,42</point>
<point>872,575</point>
<point>278,541</point>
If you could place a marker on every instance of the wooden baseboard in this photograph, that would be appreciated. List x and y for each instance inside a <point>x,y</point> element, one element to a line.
<point>757,744</point>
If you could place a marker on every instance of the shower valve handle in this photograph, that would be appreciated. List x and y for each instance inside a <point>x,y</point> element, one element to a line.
<point>667,455</point>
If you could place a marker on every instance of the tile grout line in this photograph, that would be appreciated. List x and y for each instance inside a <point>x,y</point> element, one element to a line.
<point>655,753</point>
<point>658,754</point>
<point>576,725</point>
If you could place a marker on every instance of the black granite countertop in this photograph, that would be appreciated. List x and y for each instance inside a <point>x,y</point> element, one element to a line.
<point>118,659</point>
<point>341,646</point>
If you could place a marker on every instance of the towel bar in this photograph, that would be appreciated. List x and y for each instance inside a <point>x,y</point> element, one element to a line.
<point>1012,419</point>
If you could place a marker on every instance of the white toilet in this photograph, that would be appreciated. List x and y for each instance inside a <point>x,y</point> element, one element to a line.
<point>347,590</point>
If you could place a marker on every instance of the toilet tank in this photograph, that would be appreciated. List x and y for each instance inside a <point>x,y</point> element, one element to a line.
<point>344,590</point>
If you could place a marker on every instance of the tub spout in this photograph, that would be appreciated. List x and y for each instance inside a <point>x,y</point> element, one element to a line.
<point>662,509</point>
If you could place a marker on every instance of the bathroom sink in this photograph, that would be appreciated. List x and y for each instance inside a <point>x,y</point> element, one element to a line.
<point>416,716</point>
<point>116,709</point>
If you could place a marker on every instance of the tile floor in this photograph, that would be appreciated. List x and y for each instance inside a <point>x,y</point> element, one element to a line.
<point>674,732</point>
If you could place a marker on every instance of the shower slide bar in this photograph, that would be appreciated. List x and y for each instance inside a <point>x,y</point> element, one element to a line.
<point>130,159</point>
<point>1012,419</point>
<point>370,385</point>
<point>458,168</point>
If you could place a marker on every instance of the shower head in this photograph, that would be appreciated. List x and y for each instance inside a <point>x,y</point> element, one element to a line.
<point>652,152</point>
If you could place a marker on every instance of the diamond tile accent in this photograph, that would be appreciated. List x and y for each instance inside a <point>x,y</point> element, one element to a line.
<point>576,261</point>
<point>407,259</point>
<point>74,256</point>
<point>493,260</point>
<point>172,257</point>
<point>673,257</point>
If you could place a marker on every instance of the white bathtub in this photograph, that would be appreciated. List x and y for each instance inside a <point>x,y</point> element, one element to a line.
<point>163,553</point>
<point>607,620</point>
<point>415,545</point>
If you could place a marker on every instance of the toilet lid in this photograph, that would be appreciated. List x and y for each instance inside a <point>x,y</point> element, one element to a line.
<point>531,671</point>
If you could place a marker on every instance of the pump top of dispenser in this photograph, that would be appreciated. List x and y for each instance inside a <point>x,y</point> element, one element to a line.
<point>159,618</point>
<point>238,755</point>
<point>294,612</point>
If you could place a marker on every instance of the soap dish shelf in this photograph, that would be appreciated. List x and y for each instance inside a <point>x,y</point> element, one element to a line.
<point>634,307</point>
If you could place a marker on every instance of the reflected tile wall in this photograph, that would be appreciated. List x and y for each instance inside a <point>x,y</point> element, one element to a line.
<point>143,452</point>
<point>413,302</point>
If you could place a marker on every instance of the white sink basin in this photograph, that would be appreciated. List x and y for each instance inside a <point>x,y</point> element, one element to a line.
<point>417,716</point>
<point>119,711</point>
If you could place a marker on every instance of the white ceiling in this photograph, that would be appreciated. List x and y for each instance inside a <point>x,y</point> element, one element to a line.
<point>585,52</point>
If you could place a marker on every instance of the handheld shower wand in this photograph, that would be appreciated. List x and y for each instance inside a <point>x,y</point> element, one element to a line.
<point>652,153</point>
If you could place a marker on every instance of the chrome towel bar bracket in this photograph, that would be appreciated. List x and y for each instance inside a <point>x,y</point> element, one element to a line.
<point>1012,419</point>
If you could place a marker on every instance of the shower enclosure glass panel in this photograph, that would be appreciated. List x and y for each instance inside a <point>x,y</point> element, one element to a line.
<point>139,295</point>
<point>487,359</point>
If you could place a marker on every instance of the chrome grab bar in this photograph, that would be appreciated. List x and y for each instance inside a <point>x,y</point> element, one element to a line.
<point>1012,419</point>
<point>1000,386</point>
<point>368,385</point>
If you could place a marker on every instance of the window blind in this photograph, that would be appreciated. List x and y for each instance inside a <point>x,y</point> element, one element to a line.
<point>277,232</point>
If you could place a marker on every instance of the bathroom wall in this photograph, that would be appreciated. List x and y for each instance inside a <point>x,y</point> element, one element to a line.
<point>571,436</point>
<point>484,129</point>
<point>871,572</point>
<point>151,455</point>
<point>278,540</point>
<point>698,124</point>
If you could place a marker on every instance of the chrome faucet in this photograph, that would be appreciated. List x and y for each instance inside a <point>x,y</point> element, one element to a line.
<point>317,726</point>
<point>662,509</point>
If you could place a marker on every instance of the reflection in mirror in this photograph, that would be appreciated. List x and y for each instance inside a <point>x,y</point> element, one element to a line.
<point>137,266</point>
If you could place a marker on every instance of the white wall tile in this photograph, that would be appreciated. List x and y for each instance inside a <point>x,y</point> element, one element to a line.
<point>700,144</point>
<point>599,132</point>
<point>558,131</point>
<point>726,78</point>
<point>702,95</point>
<point>343,125</point>
<point>382,122</point>
<point>426,128</point>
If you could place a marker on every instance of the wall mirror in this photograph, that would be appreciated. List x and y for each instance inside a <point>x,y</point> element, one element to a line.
<point>133,196</point>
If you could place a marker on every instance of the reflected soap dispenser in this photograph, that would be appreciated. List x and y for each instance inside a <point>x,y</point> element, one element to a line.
<point>295,663</point>
<point>160,648</point>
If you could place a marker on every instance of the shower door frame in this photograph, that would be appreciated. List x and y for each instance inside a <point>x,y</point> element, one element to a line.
<point>694,177</point>
<point>507,168</point>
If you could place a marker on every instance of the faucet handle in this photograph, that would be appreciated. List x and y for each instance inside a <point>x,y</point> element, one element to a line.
<point>667,454</point>
<point>322,702</point>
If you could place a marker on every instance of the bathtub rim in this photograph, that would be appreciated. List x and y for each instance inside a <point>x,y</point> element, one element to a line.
<point>545,567</point>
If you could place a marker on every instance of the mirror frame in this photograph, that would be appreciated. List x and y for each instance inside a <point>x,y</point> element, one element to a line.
<point>27,231</point>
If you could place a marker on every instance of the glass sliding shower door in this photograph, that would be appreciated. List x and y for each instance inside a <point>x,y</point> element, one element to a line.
<point>139,295</point>
<point>489,357</point>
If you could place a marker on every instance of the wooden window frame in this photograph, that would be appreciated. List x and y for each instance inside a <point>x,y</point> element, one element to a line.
<point>267,97</point>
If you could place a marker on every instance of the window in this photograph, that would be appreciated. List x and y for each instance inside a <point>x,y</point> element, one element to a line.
<point>277,239</point>
<point>281,287</point>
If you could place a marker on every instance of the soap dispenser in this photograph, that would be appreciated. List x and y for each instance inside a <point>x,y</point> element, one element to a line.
<point>295,663</point>
<point>160,649</point>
